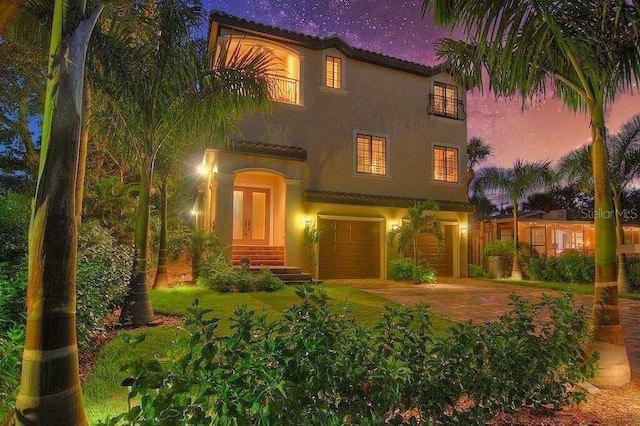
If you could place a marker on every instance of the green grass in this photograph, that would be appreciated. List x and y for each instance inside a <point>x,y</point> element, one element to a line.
<point>586,289</point>
<point>102,391</point>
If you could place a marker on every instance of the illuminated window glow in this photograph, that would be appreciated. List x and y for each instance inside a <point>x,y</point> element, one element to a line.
<point>445,100</point>
<point>371,154</point>
<point>333,72</point>
<point>445,164</point>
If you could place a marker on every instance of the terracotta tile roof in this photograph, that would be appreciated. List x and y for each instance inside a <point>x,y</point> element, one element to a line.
<point>268,150</point>
<point>380,200</point>
<point>318,43</point>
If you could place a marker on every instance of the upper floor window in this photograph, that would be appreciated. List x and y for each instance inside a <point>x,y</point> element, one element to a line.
<point>445,164</point>
<point>333,72</point>
<point>444,101</point>
<point>371,154</point>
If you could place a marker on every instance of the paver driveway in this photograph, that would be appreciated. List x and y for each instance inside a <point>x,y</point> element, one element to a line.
<point>465,299</point>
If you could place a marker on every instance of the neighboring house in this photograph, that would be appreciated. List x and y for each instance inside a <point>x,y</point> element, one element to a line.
<point>354,139</point>
<point>548,234</point>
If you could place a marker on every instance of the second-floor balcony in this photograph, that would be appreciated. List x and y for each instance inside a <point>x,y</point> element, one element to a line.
<point>448,107</point>
<point>284,89</point>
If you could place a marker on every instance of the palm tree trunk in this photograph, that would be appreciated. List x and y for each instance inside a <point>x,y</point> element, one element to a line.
<point>50,390</point>
<point>623,279</point>
<point>84,143</point>
<point>516,271</point>
<point>415,250</point>
<point>162,275</point>
<point>136,309</point>
<point>607,329</point>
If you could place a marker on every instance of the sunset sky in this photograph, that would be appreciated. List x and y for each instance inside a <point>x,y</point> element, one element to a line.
<point>395,27</point>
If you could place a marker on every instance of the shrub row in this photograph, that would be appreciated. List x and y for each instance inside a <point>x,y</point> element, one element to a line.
<point>569,267</point>
<point>403,269</point>
<point>316,366</point>
<point>217,273</point>
<point>102,277</point>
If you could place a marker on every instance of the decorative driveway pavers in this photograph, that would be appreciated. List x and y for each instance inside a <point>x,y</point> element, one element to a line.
<point>465,299</point>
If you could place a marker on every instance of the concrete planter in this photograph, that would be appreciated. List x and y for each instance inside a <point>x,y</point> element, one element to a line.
<point>495,266</point>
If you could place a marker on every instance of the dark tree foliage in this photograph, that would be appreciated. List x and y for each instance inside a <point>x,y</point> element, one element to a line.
<point>22,71</point>
<point>578,204</point>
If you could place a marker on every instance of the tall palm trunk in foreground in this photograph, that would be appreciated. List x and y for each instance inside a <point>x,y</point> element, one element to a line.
<point>50,387</point>
<point>137,308</point>
<point>162,275</point>
<point>607,328</point>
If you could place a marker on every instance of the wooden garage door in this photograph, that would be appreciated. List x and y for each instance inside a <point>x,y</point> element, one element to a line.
<point>438,256</point>
<point>349,249</point>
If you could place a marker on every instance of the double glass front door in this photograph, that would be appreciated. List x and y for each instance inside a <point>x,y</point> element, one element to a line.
<point>251,216</point>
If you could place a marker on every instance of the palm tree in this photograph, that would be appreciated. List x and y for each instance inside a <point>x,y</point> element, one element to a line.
<point>50,388</point>
<point>624,169</point>
<point>161,95</point>
<point>517,182</point>
<point>419,222</point>
<point>477,152</point>
<point>586,51</point>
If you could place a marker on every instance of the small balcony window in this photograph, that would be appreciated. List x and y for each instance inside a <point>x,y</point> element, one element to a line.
<point>444,102</point>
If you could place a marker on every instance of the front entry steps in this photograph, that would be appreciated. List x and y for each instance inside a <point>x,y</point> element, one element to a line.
<point>289,275</point>
<point>258,255</point>
<point>272,258</point>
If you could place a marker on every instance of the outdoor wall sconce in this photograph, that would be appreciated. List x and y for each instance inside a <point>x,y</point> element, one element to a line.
<point>394,226</point>
<point>463,229</point>
<point>307,222</point>
<point>202,169</point>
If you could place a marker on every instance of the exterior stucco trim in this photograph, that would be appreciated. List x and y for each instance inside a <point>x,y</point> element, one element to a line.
<point>379,200</point>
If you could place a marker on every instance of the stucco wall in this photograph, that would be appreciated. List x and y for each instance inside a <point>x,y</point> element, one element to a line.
<point>375,99</point>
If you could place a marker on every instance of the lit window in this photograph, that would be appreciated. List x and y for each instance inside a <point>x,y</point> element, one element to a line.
<point>333,72</point>
<point>371,154</point>
<point>445,164</point>
<point>445,100</point>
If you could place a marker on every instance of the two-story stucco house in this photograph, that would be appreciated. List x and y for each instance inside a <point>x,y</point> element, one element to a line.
<point>354,138</point>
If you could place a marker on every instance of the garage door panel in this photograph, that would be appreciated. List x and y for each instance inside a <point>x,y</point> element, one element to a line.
<point>349,249</point>
<point>434,254</point>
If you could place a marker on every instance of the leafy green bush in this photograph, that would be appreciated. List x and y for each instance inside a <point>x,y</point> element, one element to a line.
<point>11,344</point>
<point>498,248</point>
<point>569,267</point>
<point>104,268</point>
<point>476,271</point>
<point>318,366</point>
<point>13,300</point>
<point>633,272</point>
<point>401,269</point>
<point>520,360</point>
<point>102,277</point>
<point>15,212</point>
<point>217,273</point>
<point>266,281</point>
<point>424,275</point>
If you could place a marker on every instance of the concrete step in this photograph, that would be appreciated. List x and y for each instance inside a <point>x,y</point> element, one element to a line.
<point>260,260</point>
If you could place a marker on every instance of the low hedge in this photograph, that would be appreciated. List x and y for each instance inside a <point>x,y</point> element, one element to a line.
<point>316,366</point>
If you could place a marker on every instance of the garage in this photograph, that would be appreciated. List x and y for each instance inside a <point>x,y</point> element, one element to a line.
<point>436,255</point>
<point>349,249</point>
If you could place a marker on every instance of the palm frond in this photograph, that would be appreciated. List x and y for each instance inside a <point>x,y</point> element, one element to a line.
<point>522,179</point>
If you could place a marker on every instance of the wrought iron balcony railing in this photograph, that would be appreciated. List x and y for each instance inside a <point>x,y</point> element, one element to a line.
<point>446,107</point>
<point>284,89</point>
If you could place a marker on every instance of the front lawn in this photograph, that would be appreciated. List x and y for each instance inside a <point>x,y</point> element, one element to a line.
<point>102,391</point>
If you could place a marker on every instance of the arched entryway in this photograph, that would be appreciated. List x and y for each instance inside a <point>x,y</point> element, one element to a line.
<point>259,202</point>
